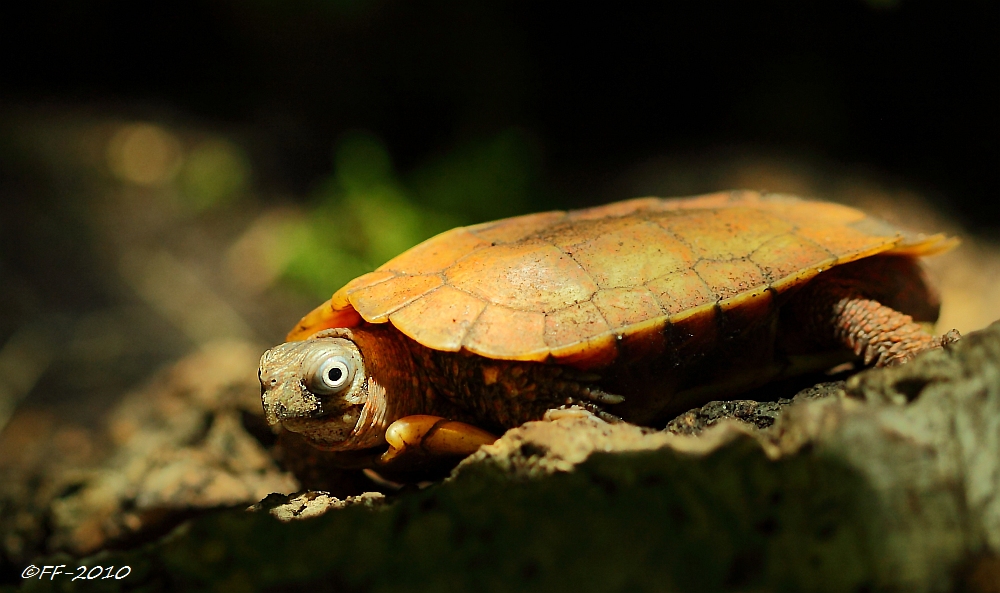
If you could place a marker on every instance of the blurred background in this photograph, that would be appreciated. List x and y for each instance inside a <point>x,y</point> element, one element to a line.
<point>177,173</point>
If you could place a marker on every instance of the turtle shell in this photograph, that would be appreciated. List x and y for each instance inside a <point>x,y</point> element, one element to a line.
<point>564,287</point>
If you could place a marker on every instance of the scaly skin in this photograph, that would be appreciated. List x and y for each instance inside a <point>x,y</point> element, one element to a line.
<point>501,394</point>
<point>844,307</point>
<point>874,331</point>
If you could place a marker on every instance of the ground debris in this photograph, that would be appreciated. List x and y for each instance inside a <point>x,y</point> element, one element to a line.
<point>178,446</point>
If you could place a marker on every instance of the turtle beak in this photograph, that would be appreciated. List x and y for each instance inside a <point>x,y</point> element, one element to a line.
<point>283,395</point>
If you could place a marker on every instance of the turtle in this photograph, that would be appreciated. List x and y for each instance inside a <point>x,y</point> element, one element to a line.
<point>632,311</point>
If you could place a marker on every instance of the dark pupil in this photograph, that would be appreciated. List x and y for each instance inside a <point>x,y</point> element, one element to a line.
<point>335,374</point>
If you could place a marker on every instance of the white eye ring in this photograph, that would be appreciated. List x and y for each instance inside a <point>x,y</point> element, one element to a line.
<point>332,376</point>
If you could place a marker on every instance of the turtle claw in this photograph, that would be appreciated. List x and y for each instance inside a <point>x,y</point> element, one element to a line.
<point>950,337</point>
<point>428,444</point>
<point>602,397</point>
<point>569,412</point>
<point>579,391</point>
<point>609,418</point>
<point>580,410</point>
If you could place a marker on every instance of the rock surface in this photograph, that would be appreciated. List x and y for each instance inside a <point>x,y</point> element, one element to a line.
<point>888,482</point>
<point>312,504</point>
<point>178,446</point>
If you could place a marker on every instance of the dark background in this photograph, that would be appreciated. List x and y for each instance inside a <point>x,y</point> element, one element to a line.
<point>909,87</point>
<point>577,97</point>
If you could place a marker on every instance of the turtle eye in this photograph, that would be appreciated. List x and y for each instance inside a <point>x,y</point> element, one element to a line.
<point>331,376</point>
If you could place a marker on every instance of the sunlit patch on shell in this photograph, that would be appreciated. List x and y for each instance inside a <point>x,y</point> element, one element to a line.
<point>363,281</point>
<point>631,255</point>
<point>436,254</point>
<point>622,208</point>
<point>843,241</point>
<point>505,333</point>
<point>530,276</point>
<point>440,319</point>
<point>323,317</point>
<point>376,302</point>
<point>514,229</point>
<point>623,307</point>
<point>726,233</point>
<point>923,245</point>
<point>566,235</point>
<point>573,324</point>
<point>802,276</point>
<point>788,254</point>
<point>579,336</point>
<point>876,227</point>
<point>681,291</point>
<point>340,301</point>
<point>729,278</point>
<point>760,293</point>
<point>716,200</point>
<point>806,212</point>
<point>771,200</point>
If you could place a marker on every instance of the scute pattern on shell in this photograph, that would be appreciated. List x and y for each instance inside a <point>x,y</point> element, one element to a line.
<point>568,285</point>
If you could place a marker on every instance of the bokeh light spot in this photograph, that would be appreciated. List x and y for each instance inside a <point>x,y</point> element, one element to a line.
<point>262,252</point>
<point>144,154</point>
<point>215,172</point>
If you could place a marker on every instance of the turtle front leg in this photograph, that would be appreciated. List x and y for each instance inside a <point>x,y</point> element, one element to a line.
<point>581,398</point>
<point>423,440</point>
<point>422,445</point>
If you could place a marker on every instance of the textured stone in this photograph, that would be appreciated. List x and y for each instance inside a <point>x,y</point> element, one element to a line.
<point>886,483</point>
<point>179,445</point>
<point>313,504</point>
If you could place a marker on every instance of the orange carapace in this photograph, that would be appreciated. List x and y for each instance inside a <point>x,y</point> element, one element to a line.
<point>635,310</point>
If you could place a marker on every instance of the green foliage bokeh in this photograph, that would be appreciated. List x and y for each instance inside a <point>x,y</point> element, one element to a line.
<point>365,213</point>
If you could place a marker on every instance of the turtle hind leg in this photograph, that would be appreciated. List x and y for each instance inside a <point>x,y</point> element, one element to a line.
<point>839,309</point>
<point>881,334</point>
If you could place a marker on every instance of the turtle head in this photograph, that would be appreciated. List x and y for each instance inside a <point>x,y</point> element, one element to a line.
<point>322,389</point>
